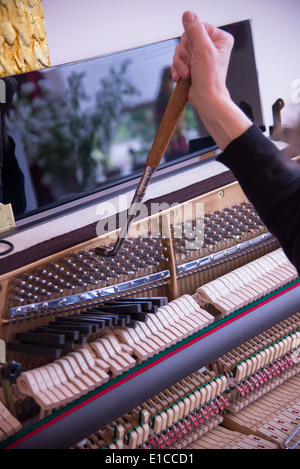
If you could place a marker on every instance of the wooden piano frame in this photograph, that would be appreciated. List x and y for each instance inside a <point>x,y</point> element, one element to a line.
<point>66,426</point>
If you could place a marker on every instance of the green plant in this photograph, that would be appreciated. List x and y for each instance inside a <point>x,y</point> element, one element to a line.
<point>61,130</point>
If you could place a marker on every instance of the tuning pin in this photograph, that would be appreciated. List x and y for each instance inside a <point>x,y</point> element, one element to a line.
<point>45,292</point>
<point>17,300</point>
<point>19,282</point>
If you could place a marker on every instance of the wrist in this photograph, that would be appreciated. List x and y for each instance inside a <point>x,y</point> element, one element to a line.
<point>223,119</point>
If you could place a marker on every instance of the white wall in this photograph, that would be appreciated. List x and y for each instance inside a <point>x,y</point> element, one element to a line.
<point>78,29</point>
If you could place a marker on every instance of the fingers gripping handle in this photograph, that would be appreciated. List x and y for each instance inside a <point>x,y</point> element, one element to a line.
<point>169,121</point>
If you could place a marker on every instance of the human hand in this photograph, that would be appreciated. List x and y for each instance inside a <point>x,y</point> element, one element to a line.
<point>203,54</point>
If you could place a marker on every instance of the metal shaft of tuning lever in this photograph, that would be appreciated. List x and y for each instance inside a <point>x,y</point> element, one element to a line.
<point>161,141</point>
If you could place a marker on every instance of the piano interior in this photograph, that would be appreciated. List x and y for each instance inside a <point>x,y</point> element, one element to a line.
<point>188,338</point>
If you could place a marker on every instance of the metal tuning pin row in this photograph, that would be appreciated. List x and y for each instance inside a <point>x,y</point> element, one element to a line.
<point>215,232</point>
<point>137,255</point>
<point>84,271</point>
<point>188,235</point>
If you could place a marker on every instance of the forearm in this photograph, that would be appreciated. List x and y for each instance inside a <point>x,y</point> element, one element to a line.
<point>260,166</point>
<point>271,181</point>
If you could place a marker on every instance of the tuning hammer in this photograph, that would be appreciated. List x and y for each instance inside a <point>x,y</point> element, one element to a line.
<point>161,141</point>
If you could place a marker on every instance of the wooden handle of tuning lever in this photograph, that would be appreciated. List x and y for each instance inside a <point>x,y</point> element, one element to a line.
<point>169,121</point>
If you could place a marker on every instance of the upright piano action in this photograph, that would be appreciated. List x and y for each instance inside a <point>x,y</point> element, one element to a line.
<point>187,341</point>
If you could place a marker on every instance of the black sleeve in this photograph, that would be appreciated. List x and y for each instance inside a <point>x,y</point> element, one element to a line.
<point>271,182</point>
